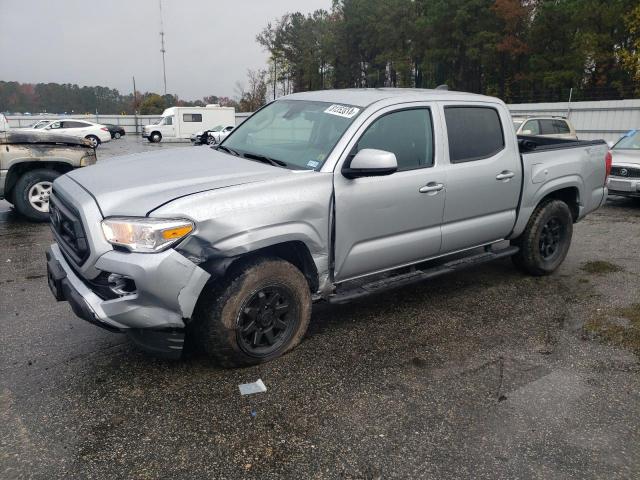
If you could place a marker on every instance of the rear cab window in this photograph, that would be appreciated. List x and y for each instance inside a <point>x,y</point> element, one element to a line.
<point>475,133</point>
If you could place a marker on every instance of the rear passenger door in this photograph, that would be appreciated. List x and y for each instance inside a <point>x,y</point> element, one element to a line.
<point>484,176</point>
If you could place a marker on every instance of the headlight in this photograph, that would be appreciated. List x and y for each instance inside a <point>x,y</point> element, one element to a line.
<point>145,235</point>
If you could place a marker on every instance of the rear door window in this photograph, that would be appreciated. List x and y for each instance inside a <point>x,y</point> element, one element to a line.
<point>474,133</point>
<point>547,127</point>
<point>560,126</point>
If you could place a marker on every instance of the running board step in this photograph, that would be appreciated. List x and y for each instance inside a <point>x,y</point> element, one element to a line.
<point>419,275</point>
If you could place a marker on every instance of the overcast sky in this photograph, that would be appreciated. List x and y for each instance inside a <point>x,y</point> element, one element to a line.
<point>209,44</point>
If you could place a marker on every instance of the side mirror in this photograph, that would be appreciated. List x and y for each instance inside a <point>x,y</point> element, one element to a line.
<point>526,132</point>
<point>370,162</point>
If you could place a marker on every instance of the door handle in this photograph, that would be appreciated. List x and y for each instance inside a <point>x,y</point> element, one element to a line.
<point>431,187</point>
<point>505,175</point>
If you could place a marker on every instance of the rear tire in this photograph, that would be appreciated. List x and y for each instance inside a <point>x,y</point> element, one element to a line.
<point>31,194</point>
<point>260,312</point>
<point>545,242</point>
<point>95,141</point>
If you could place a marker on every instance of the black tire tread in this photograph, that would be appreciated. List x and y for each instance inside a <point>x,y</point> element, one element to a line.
<point>207,329</point>
<point>526,259</point>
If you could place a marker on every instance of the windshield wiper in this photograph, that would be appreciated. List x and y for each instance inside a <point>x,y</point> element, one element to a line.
<point>228,150</point>
<point>265,159</point>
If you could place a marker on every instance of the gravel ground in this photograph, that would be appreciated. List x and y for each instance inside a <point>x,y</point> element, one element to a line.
<point>485,373</point>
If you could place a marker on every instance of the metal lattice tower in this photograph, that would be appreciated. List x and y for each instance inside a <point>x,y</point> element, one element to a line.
<point>162,50</point>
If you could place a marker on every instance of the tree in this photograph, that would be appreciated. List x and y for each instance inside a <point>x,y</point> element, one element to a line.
<point>152,104</point>
<point>255,95</point>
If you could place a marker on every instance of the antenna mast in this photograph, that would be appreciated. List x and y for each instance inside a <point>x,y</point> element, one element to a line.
<point>164,71</point>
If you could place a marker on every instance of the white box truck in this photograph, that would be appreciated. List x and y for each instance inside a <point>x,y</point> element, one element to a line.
<point>182,122</point>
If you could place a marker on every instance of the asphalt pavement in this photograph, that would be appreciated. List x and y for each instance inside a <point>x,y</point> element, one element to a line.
<point>485,373</point>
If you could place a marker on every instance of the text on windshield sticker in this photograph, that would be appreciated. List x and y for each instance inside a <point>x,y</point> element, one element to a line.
<point>342,111</point>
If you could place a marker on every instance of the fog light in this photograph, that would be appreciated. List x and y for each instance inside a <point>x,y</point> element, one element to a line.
<point>121,285</point>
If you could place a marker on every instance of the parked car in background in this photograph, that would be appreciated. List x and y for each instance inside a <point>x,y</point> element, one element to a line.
<point>553,127</point>
<point>94,132</point>
<point>116,131</point>
<point>38,125</point>
<point>327,195</point>
<point>212,136</point>
<point>625,166</point>
<point>201,137</point>
<point>30,162</point>
<point>183,122</point>
<point>217,136</point>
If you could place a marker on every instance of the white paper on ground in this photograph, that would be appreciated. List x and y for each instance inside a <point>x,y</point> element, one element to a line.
<point>251,388</point>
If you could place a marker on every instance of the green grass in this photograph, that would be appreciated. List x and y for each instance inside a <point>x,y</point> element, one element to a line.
<point>627,336</point>
<point>600,267</point>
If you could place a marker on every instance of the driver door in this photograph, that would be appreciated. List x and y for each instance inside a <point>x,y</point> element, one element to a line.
<point>394,220</point>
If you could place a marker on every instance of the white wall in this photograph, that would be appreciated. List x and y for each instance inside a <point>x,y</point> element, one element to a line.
<point>608,120</point>
<point>127,121</point>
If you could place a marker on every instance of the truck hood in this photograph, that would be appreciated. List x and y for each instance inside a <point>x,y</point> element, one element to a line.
<point>134,185</point>
<point>625,156</point>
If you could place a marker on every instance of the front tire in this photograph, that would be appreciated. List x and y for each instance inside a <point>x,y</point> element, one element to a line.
<point>259,313</point>
<point>546,240</point>
<point>155,137</point>
<point>117,135</point>
<point>31,194</point>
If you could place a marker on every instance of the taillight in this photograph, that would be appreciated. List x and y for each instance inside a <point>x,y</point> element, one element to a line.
<point>608,161</point>
<point>104,129</point>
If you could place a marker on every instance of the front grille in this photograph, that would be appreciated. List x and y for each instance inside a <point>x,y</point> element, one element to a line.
<point>68,230</point>
<point>625,172</point>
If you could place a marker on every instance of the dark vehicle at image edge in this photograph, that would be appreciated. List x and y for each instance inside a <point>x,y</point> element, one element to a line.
<point>116,131</point>
<point>318,196</point>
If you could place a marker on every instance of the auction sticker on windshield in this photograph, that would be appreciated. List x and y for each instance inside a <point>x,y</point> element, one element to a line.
<point>342,111</point>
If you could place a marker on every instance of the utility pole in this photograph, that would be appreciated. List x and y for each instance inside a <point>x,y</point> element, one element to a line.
<point>135,104</point>
<point>164,71</point>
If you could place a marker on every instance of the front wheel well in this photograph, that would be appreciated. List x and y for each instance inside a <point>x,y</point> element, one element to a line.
<point>569,195</point>
<point>16,171</point>
<point>295,252</point>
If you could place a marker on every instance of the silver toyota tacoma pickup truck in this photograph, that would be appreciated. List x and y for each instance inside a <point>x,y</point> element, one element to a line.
<point>326,195</point>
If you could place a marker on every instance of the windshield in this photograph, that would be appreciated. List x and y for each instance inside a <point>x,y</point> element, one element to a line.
<point>631,141</point>
<point>299,133</point>
<point>217,128</point>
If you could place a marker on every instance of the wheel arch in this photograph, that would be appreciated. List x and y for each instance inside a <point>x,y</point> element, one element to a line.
<point>568,192</point>
<point>18,169</point>
<point>295,252</point>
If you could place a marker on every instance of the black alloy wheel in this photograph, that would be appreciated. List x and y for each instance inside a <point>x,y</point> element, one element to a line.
<point>266,320</point>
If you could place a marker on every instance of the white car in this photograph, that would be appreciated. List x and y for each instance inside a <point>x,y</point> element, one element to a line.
<point>94,132</point>
<point>38,125</point>
<point>217,135</point>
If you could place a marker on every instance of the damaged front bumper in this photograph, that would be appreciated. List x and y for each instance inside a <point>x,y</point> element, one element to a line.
<point>166,289</point>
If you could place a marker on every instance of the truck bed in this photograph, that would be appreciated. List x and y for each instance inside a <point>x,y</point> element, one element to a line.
<point>529,143</point>
<point>579,165</point>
